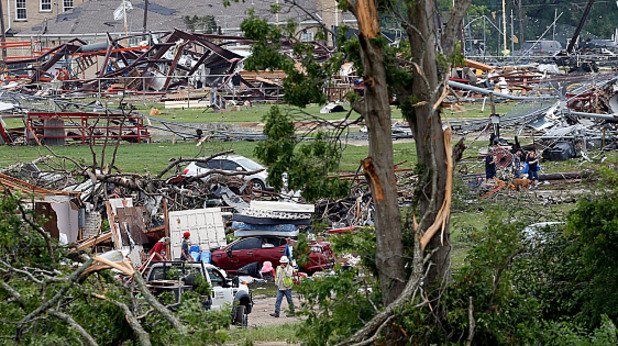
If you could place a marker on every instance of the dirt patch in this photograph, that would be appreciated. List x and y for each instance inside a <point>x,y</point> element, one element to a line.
<point>264,306</point>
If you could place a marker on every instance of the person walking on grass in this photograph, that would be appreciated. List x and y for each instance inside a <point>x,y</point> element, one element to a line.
<point>284,282</point>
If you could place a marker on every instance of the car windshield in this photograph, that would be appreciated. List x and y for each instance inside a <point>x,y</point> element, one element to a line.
<point>249,164</point>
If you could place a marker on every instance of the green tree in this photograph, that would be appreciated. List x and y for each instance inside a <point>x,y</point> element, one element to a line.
<point>206,24</point>
<point>305,164</point>
<point>581,283</point>
<point>416,76</point>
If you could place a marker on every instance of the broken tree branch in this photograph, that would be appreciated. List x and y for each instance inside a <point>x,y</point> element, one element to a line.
<point>372,327</point>
<point>373,178</point>
<point>54,300</point>
<point>71,322</point>
<point>181,160</point>
<point>442,217</point>
<point>472,322</point>
<point>13,292</point>
<point>367,15</point>
<point>376,335</point>
<point>60,315</point>
<point>154,302</point>
<point>136,326</point>
<point>222,172</point>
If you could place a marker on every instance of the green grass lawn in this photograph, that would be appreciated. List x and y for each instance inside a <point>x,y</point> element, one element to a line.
<point>243,114</point>
<point>277,333</point>
<point>476,110</point>
<point>142,158</point>
<point>257,112</point>
<point>14,122</point>
<point>152,158</point>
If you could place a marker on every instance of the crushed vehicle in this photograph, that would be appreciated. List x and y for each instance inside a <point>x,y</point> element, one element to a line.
<point>252,252</point>
<point>178,276</point>
<point>232,164</point>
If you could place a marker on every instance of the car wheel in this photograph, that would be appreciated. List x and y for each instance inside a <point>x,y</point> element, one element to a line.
<point>240,318</point>
<point>258,185</point>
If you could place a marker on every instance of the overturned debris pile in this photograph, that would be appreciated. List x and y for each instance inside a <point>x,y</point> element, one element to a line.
<point>271,218</point>
<point>181,59</point>
<point>137,207</point>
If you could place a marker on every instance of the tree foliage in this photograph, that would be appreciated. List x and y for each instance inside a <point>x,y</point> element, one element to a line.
<point>554,285</point>
<point>538,15</point>
<point>306,164</point>
<point>206,24</point>
<point>327,304</point>
<point>306,75</point>
<point>19,242</point>
<point>43,301</point>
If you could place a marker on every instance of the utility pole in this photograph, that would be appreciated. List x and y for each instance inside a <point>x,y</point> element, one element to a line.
<point>580,26</point>
<point>3,31</point>
<point>553,33</point>
<point>498,29</point>
<point>505,51</point>
<point>126,21</point>
<point>484,39</point>
<point>145,15</point>
<point>512,33</point>
<point>520,14</point>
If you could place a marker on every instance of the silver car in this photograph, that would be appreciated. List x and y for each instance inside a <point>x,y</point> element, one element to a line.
<point>232,163</point>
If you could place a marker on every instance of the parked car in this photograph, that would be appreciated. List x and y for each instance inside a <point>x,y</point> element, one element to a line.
<point>258,249</point>
<point>179,276</point>
<point>231,163</point>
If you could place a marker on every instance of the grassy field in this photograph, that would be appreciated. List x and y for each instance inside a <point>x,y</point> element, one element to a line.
<point>143,158</point>
<point>284,333</point>
<point>257,112</point>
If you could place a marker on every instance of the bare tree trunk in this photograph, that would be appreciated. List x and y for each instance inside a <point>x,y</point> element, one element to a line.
<point>426,126</point>
<point>379,166</point>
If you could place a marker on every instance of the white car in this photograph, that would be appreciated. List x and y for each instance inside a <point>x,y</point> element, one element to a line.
<point>232,163</point>
<point>180,276</point>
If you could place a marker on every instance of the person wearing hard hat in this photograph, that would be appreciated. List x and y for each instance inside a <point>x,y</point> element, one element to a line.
<point>185,255</point>
<point>284,282</point>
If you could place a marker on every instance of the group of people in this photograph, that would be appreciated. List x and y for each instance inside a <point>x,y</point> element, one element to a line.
<point>159,251</point>
<point>283,276</point>
<point>521,164</point>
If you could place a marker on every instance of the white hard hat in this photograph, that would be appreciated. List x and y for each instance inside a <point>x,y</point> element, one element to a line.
<point>284,259</point>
